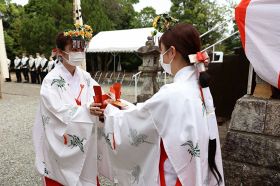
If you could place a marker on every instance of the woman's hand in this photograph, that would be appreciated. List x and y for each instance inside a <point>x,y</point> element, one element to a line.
<point>108,101</point>
<point>96,110</point>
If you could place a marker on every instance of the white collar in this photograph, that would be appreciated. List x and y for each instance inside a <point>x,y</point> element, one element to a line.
<point>66,73</point>
<point>185,74</point>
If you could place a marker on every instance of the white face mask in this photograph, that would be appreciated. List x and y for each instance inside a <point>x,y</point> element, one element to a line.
<point>75,58</point>
<point>166,67</point>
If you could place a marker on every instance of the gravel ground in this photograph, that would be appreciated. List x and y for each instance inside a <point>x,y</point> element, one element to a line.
<point>18,107</point>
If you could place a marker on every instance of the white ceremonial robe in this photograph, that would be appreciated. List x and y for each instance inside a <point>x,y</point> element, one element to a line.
<point>64,133</point>
<point>177,117</point>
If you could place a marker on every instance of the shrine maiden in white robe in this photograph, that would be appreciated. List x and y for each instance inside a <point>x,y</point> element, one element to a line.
<point>64,133</point>
<point>176,116</point>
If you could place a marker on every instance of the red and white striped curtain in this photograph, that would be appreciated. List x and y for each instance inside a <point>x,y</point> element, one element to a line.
<point>259,25</point>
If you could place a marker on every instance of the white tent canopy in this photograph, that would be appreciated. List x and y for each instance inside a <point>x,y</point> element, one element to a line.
<point>120,40</point>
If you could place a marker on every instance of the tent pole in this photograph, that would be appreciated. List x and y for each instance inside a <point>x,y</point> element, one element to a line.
<point>114,54</point>
<point>119,62</point>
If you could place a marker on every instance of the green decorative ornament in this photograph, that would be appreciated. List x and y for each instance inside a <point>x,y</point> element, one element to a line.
<point>163,22</point>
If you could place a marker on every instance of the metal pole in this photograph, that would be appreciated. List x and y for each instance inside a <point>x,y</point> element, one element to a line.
<point>250,79</point>
<point>218,42</point>
<point>135,90</point>
<point>214,28</point>
<point>114,63</point>
<point>135,76</point>
<point>120,62</point>
<point>213,55</point>
<point>164,77</point>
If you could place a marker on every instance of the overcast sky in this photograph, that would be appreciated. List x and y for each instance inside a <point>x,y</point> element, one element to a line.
<point>161,6</point>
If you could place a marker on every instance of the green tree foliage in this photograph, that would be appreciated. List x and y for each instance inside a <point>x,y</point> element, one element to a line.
<point>94,14</point>
<point>235,41</point>
<point>41,23</point>
<point>144,18</point>
<point>33,28</point>
<point>204,14</point>
<point>120,13</point>
<point>12,26</point>
<point>232,43</point>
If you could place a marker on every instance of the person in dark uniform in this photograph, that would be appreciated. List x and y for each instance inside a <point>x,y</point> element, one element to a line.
<point>18,65</point>
<point>38,67</point>
<point>44,67</point>
<point>25,67</point>
<point>32,67</point>
<point>51,64</point>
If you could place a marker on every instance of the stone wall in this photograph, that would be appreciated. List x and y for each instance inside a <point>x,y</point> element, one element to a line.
<point>251,152</point>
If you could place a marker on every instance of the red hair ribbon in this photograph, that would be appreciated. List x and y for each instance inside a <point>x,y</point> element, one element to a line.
<point>199,57</point>
<point>202,57</point>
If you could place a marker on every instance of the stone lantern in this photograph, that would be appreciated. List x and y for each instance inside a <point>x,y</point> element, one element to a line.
<point>149,68</point>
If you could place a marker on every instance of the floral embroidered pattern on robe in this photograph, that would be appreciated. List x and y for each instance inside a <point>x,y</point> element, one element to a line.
<point>46,172</point>
<point>45,120</point>
<point>88,82</point>
<point>137,139</point>
<point>75,141</point>
<point>107,138</point>
<point>60,83</point>
<point>194,151</point>
<point>135,172</point>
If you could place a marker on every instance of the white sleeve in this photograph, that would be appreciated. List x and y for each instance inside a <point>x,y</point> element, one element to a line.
<point>133,145</point>
<point>63,122</point>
